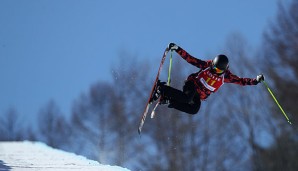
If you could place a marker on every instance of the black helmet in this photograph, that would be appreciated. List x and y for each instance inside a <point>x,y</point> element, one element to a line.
<point>221,62</point>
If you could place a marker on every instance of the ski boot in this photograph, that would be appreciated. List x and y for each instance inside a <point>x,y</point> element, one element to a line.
<point>157,91</point>
<point>164,100</point>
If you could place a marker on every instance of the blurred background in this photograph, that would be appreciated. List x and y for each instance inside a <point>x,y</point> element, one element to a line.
<point>76,75</point>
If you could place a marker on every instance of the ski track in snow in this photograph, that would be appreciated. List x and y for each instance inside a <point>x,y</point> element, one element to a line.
<point>38,156</point>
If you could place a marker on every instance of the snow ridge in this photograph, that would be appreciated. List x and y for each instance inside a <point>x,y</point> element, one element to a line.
<point>38,156</point>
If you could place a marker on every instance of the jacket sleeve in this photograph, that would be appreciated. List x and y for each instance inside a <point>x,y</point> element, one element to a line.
<point>192,60</point>
<point>231,78</point>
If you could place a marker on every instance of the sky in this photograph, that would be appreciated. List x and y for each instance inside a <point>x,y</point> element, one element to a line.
<point>56,49</point>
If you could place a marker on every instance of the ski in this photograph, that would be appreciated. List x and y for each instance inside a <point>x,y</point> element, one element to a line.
<point>168,83</point>
<point>149,101</point>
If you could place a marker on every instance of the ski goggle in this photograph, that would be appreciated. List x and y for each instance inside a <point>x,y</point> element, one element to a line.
<point>217,70</point>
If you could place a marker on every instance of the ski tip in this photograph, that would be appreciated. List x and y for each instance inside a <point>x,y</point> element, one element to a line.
<point>139,131</point>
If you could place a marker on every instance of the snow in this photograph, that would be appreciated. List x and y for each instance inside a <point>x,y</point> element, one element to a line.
<point>38,156</point>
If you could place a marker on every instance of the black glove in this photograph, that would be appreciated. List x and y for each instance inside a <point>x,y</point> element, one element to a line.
<point>260,78</point>
<point>172,46</point>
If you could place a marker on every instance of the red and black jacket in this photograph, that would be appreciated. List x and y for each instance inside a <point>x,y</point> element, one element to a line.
<point>206,81</point>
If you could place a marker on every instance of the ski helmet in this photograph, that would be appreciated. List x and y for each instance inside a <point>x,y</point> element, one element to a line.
<point>221,62</point>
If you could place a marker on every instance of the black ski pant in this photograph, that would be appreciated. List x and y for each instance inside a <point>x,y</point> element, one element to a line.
<point>187,101</point>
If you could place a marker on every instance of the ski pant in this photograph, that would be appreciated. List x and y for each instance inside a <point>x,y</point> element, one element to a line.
<point>187,101</point>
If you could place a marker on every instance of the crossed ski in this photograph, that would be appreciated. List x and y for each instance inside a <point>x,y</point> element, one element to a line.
<point>149,101</point>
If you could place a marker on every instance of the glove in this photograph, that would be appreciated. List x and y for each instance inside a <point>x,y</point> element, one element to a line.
<point>260,78</point>
<point>172,46</point>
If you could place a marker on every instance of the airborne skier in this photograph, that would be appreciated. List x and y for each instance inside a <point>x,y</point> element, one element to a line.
<point>198,86</point>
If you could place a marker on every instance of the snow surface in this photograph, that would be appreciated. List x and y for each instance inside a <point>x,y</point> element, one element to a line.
<point>38,156</point>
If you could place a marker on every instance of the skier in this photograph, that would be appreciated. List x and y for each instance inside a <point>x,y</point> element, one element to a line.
<point>198,86</point>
